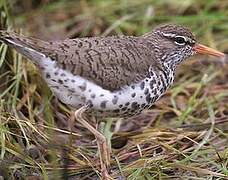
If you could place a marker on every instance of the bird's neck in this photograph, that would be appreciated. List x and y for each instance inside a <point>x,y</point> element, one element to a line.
<point>164,75</point>
<point>170,65</point>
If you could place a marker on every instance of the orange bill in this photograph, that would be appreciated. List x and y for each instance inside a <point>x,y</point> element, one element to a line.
<point>201,49</point>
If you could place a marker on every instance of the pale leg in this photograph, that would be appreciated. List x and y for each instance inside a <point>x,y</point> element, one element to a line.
<point>103,148</point>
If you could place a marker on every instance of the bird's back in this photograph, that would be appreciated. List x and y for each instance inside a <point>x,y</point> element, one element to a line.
<point>110,62</point>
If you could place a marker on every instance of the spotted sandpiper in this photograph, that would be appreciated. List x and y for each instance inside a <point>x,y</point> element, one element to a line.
<point>117,76</point>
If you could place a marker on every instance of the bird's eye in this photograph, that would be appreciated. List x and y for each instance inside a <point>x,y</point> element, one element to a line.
<point>179,40</point>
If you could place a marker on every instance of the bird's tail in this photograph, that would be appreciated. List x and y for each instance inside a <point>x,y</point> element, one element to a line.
<point>29,47</point>
<point>10,38</point>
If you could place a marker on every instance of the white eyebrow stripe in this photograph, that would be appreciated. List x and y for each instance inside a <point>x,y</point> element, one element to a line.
<point>169,34</point>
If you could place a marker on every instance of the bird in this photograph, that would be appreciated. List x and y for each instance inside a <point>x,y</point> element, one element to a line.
<point>113,76</point>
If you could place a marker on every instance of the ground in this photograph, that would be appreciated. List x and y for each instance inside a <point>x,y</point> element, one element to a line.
<point>183,136</point>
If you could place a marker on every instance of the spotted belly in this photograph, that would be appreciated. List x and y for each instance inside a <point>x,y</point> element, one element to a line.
<point>129,101</point>
<point>77,91</point>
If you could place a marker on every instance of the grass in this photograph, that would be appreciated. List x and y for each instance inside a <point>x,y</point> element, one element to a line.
<point>184,135</point>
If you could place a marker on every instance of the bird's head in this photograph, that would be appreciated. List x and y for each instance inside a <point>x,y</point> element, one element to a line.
<point>174,43</point>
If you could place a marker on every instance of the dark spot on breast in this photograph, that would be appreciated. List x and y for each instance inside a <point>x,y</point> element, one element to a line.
<point>72,80</point>
<point>152,99</point>
<point>82,87</point>
<point>126,113</point>
<point>101,95</point>
<point>154,91</point>
<point>129,109</point>
<point>115,99</point>
<point>90,103</point>
<point>148,98</point>
<point>152,83</point>
<point>103,104</point>
<point>121,105</point>
<point>147,106</point>
<point>146,91</point>
<point>143,105</point>
<point>127,104</point>
<point>124,109</point>
<point>93,96</point>
<point>134,105</point>
<point>163,89</point>
<point>133,86</point>
<point>142,85</point>
<point>80,44</point>
<point>48,75</point>
<point>60,81</point>
<point>65,80</point>
<point>56,73</point>
<point>133,94</point>
<point>62,74</point>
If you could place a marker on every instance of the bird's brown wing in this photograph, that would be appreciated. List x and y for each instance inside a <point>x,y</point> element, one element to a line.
<point>110,62</point>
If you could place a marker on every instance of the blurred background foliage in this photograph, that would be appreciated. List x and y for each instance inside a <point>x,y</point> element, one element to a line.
<point>183,136</point>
